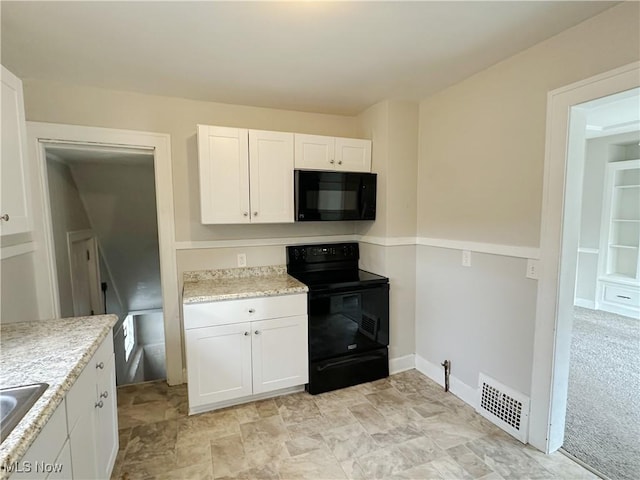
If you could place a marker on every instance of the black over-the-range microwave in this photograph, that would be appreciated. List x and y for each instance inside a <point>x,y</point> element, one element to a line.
<point>334,196</point>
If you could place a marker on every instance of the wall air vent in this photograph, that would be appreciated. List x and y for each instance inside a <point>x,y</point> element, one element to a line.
<point>504,407</point>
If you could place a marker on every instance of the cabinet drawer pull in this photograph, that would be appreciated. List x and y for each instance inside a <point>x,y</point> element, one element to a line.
<point>5,217</point>
<point>252,310</point>
<point>257,332</point>
<point>246,214</point>
<point>104,394</point>
<point>332,161</point>
<point>246,334</point>
<point>100,365</point>
<point>255,214</point>
<point>623,296</point>
<point>339,162</point>
<point>99,404</point>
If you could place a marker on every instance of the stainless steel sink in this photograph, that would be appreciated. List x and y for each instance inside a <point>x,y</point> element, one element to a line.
<point>15,402</point>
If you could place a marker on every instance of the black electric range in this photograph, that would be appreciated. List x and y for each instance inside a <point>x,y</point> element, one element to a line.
<point>348,315</point>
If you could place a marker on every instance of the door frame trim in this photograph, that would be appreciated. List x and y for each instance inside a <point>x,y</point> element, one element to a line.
<point>38,135</point>
<point>550,372</point>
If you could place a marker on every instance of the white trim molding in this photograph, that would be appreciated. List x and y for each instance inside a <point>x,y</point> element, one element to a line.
<point>490,248</point>
<point>401,364</point>
<point>558,252</point>
<point>464,392</point>
<point>39,135</point>
<point>262,242</point>
<point>15,250</point>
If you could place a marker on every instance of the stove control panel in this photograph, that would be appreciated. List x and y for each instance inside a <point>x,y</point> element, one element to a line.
<point>332,252</point>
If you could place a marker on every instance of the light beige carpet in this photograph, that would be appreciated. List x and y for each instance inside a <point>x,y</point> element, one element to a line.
<point>603,405</point>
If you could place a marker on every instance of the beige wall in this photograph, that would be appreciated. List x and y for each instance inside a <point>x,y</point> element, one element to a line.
<point>482,140</point>
<point>480,166</point>
<point>19,302</point>
<point>393,128</point>
<point>56,103</point>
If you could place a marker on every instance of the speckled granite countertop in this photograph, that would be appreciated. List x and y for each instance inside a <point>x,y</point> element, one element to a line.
<point>49,351</point>
<point>233,283</point>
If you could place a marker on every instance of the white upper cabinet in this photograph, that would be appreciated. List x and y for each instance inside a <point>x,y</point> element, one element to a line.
<point>14,209</point>
<point>271,176</point>
<point>224,174</point>
<point>246,176</point>
<point>318,152</point>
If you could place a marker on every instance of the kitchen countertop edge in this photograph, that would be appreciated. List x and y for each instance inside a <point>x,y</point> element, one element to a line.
<point>14,447</point>
<point>218,288</point>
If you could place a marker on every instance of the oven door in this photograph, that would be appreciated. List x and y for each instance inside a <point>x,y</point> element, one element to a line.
<point>348,322</point>
<point>333,196</point>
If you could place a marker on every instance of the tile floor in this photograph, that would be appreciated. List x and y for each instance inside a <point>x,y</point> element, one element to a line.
<point>403,427</point>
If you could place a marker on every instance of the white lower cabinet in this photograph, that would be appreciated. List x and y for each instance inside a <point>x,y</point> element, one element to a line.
<point>233,358</point>
<point>80,440</point>
<point>43,454</point>
<point>92,416</point>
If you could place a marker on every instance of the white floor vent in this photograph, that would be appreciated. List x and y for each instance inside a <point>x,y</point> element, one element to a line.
<point>504,407</point>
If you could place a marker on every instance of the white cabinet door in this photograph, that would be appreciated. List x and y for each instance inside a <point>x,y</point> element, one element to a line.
<point>92,419</point>
<point>14,199</point>
<point>106,419</point>
<point>280,357</point>
<point>62,467</point>
<point>223,158</point>
<point>271,176</point>
<point>81,417</point>
<point>219,363</point>
<point>45,449</point>
<point>353,155</point>
<point>314,152</point>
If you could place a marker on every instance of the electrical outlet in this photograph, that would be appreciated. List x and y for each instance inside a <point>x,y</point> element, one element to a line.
<point>532,269</point>
<point>242,259</point>
<point>466,258</point>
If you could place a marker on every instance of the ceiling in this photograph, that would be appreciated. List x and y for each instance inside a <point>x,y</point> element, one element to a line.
<point>619,113</point>
<point>326,57</point>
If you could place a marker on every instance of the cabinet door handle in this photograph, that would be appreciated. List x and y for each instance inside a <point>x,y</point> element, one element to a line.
<point>246,334</point>
<point>104,394</point>
<point>99,404</point>
<point>100,365</point>
<point>257,332</point>
<point>255,214</point>
<point>622,296</point>
<point>332,161</point>
<point>252,310</point>
<point>339,162</point>
<point>246,214</point>
<point>5,217</point>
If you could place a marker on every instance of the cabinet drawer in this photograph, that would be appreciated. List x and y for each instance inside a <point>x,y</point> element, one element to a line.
<point>224,312</point>
<point>621,295</point>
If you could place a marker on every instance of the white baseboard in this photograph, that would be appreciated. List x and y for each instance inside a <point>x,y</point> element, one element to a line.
<point>401,364</point>
<point>460,389</point>
<point>584,303</point>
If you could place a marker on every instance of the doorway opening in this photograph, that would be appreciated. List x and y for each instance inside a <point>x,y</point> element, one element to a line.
<point>603,408</point>
<point>105,237</point>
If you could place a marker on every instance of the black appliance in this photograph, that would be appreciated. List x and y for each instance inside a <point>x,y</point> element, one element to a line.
<point>322,196</point>
<point>348,316</point>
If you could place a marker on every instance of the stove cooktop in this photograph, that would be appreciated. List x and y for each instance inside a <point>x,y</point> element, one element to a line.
<point>329,266</point>
<point>333,279</point>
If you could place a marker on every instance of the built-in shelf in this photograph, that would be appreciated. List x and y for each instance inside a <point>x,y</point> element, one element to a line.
<point>619,265</point>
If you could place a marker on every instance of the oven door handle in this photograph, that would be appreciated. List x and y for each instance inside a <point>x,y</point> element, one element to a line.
<point>351,360</point>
